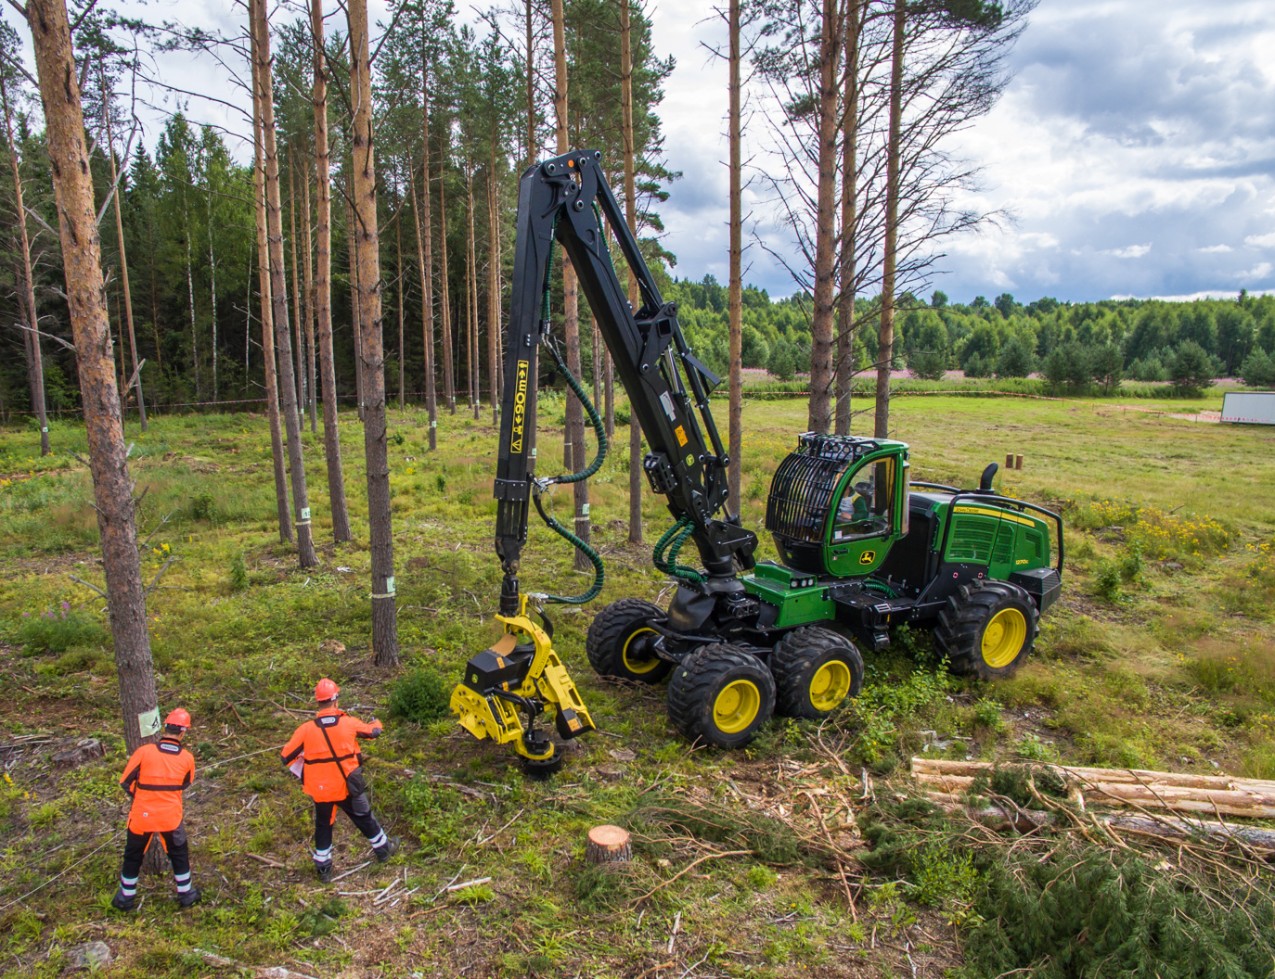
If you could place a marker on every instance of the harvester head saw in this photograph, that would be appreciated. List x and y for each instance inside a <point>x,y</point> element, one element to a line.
<point>507,686</point>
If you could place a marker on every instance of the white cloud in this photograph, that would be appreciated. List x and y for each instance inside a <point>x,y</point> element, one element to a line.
<point>1215,250</point>
<point>1132,251</point>
<point>1261,241</point>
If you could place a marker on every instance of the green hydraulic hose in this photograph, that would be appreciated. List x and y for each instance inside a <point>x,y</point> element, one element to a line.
<point>673,540</point>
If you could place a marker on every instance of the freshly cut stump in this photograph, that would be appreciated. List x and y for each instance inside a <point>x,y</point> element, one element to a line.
<point>608,845</point>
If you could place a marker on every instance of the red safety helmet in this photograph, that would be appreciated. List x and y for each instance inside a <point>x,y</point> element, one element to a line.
<point>325,689</point>
<point>178,718</point>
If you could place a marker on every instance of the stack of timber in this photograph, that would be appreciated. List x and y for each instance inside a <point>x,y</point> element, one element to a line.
<point>1214,795</point>
<point>1169,807</point>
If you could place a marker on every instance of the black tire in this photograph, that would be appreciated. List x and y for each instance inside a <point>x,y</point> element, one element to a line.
<point>721,695</point>
<point>619,640</point>
<point>987,629</point>
<point>815,670</point>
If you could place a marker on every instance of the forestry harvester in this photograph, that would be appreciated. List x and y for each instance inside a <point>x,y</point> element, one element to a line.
<point>862,548</point>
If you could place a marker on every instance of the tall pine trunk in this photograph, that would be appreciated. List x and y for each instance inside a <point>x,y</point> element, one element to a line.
<point>427,309</point>
<point>735,301</point>
<point>630,217</point>
<point>269,365</point>
<point>323,281</point>
<point>86,304</point>
<point>819,417</point>
<point>445,303</point>
<point>493,285</point>
<point>307,295</point>
<point>471,296</point>
<point>128,294</point>
<point>298,300</point>
<point>26,286</point>
<point>849,217</point>
<point>574,448</point>
<point>372,352</point>
<point>306,556</point>
<point>398,268</point>
<point>885,339</point>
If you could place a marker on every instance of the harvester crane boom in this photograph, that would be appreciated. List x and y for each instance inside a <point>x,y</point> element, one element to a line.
<point>567,200</point>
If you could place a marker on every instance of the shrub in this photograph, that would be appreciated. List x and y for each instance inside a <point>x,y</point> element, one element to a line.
<point>421,696</point>
<point>1086,912</point>
<point>1191,369</point>
<point>57,631</point>
<point>929,365</point>
<point>1258,370</point>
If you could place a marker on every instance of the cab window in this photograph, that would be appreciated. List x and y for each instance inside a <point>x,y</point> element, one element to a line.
<point>866,504</point>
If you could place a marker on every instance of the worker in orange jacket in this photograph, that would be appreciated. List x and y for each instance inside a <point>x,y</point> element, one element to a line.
<point>324,754</point>
<point>155,776</point>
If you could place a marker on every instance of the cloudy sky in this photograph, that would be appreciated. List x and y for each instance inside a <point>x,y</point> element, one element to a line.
<point>1134,149</point>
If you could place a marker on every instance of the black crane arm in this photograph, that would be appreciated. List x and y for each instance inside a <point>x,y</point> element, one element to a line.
<point>568,200</point>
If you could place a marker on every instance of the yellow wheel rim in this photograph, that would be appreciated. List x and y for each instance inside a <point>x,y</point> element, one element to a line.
<point>636,665</point>
<point>830,685</point>
<point>736,706</point>
<point>1004,637</point>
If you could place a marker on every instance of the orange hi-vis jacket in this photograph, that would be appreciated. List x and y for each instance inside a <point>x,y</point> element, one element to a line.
<point>325,769</point>
<point>155,777</point>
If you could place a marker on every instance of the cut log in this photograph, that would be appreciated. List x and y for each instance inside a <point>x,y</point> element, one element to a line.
<point>1213,794</point>
<point>608,845</point>
<point>85,750</point>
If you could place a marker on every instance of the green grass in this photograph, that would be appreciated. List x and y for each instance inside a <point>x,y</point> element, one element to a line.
<point>1159,655</point>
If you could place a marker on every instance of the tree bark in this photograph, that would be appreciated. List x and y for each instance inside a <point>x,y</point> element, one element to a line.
<point>306,556</point>
<point>630,217</point>
<point>849,217</point>
<point>398,269</point>
<point>574,447</point>
<point>821,324</point>
<point>445,303</point>
<point>119,231</point>
<point>372,354</point>
<point>493,283</point>
<point>86,304</point>
<point>323,281</point>
<point>26,287</point>
<point>735,300</point>
<point>885,338</point>
<point>356,314</point>
<point>427,309</point>
<point>422,208</point>
<point>298,299</point>
<point>269,366</point>
<point>471,296</point>
<point>307,295</point>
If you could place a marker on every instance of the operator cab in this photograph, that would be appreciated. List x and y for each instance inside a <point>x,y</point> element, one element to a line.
<point>838,503</point>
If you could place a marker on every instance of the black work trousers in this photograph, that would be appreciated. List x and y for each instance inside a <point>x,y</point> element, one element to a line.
<point>174,842</point>
<point>356,807</point>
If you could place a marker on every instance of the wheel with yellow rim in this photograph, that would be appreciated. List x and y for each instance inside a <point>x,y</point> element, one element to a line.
<point>621,641</point>
<point>721,695</point>
<point>987,629</point>
<point>816,670</point>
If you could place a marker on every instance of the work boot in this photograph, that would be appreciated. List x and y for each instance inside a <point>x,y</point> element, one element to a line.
<point>124,902</point>
<point>324,870</point>
<point>386,850</point>
<point>188,898</point>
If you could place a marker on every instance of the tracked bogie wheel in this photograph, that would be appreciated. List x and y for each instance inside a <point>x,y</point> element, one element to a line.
<point>815,671</point>
<point>987,629</point>
<point>721,695</point>
<point>621,642</point>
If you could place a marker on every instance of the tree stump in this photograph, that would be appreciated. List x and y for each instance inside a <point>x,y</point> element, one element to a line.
<point>608,845</point>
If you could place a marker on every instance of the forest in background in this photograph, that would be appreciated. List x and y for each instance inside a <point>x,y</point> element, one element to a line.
<point>186,209</point>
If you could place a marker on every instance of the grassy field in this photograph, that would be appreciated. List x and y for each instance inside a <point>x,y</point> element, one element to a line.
<point>774,861</point>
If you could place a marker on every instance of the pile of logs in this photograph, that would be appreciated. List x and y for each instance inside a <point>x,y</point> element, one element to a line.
<point>1214,795</point>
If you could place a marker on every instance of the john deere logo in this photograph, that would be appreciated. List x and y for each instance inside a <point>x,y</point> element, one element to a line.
<point>867,557</point>
<point>520,408</point>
